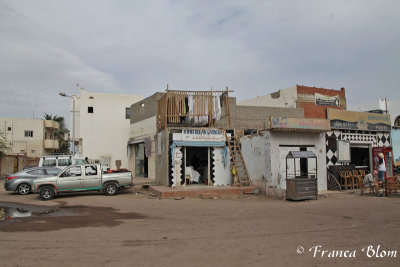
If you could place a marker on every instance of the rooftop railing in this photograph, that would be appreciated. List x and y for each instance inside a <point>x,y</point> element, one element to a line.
<point>192,108</point>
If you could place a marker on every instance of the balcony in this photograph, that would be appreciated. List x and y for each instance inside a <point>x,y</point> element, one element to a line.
<point>192,108</point>
<point>51,124</point>
<point>50,144</point>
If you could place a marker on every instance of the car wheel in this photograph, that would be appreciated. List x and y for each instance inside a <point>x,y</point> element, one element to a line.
<point>110,189</point>
<point>46,192</point>
<point>23,189</point>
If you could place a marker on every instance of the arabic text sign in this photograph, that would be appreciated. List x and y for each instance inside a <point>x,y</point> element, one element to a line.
<point>203,135</point>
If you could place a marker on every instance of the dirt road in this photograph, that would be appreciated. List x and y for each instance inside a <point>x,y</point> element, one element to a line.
<point>133,230</point>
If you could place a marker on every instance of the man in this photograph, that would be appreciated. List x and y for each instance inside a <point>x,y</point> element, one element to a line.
<point>370,180</point>
<point>381,168</point>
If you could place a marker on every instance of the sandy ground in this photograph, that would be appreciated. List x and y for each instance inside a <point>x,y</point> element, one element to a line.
<point>134,230</point>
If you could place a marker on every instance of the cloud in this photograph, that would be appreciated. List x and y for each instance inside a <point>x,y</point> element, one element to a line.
<point>35,67</point>
<point>254,47</point>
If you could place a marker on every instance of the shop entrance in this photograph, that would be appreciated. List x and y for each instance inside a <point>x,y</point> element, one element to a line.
<point>360,156</point>
<point>197,167</point>
<point>141,161</point>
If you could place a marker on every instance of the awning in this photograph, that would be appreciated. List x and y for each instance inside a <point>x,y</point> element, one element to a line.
<point>137,140</point>
<point>301,154</point>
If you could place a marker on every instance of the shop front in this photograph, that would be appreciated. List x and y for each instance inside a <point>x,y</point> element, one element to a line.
<point>354,137</point>
<point>266,155</point>
<point>140,157</point>
<point>199,156</point>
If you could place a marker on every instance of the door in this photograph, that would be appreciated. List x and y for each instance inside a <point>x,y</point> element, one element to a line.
<point>70,179</point>
<point>141,161</point>
<point>91,179</point>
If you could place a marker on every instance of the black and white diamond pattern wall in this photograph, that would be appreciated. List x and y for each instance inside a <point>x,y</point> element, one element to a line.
<point>378,139</point>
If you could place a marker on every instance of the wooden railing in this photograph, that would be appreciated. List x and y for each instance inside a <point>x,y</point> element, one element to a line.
<point>173,108</point>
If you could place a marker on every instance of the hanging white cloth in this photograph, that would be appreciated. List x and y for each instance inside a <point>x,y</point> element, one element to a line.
<point>216,108</point>
<point>190,111</point>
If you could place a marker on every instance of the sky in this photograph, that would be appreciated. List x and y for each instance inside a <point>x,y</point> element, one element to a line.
<point>138,47</point>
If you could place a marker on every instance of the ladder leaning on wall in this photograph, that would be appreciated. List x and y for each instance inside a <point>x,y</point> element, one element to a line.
<point>237,159</point>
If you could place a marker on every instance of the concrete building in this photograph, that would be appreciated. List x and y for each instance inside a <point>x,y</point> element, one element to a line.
<point>33,137</point>
<point>102,126</point>
<point>28,139</point>
<point>313,100</point>
<point>179,146</point>
<point>265,154</point>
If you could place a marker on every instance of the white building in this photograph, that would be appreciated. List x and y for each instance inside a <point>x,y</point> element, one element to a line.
<point>30,137</point>
<point>102,125</point>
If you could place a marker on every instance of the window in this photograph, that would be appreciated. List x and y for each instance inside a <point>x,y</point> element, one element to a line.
<point>127,113</point>
<point>79,162</point>
<point>90,109</point>
<point>53,171</point>
<point>9,129</point>
<point>73,171</point>
<point>37,172</point>
<point>28,133</point>
<point>49,162</point>
<point>64,162</point>
<point>250,132</point>
<point>90,170</point>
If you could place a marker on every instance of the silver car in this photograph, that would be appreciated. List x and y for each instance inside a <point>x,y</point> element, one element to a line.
<point>21,181</point>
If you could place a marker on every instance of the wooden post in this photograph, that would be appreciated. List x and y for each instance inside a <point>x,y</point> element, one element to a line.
<point>212,109</point>
<point>229,111</point>
<point>166,109</point>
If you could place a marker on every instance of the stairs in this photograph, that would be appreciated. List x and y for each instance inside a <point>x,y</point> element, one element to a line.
<point>237,159</point>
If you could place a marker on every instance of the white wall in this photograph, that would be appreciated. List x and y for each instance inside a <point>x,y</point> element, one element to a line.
<point>297,139</point>
<point>222,174</point>
<point>144,128</point>
<point>32,146</point>
<point>105,132</point>
<point>287,99</point>
<point>262,156</point>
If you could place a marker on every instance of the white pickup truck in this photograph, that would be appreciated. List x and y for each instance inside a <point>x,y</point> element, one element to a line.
<point>88,177</point>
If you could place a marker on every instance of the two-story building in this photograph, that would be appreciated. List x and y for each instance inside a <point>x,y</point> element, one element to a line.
<point>28,139</point>
<point>102,123</point>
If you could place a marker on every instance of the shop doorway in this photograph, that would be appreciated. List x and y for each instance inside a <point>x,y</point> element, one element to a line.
<point>197,165</point>
<point>360,156</point>
<point>141,161</point>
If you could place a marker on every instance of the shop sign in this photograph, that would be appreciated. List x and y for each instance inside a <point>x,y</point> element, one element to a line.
<point>324,100</point>
<point>203,135</point>
<point>300,123</point>
<point>343,150</point>
<point>353,120</point>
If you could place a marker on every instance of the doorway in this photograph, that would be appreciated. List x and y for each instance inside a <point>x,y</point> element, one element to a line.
<point>141,161</point>
<point>197,164</point>
<point>360,156</point>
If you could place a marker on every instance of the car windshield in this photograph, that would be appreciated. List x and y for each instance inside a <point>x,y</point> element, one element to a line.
<point>80,162</point>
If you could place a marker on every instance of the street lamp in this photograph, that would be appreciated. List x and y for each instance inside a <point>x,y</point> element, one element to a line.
<point>73,118</point>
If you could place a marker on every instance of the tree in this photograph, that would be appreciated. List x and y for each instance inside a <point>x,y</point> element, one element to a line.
<point>60,134</point>
<point>4,148</point>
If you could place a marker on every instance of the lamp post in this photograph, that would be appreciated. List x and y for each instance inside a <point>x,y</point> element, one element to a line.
<point>73,119</point>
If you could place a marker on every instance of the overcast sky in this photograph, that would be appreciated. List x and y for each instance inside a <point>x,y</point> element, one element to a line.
<point>137,47</point>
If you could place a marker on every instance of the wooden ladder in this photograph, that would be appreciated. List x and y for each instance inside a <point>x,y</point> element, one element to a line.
<point>237,159</point>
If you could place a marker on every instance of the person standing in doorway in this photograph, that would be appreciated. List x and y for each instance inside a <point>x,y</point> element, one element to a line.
<point>381,168</point>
